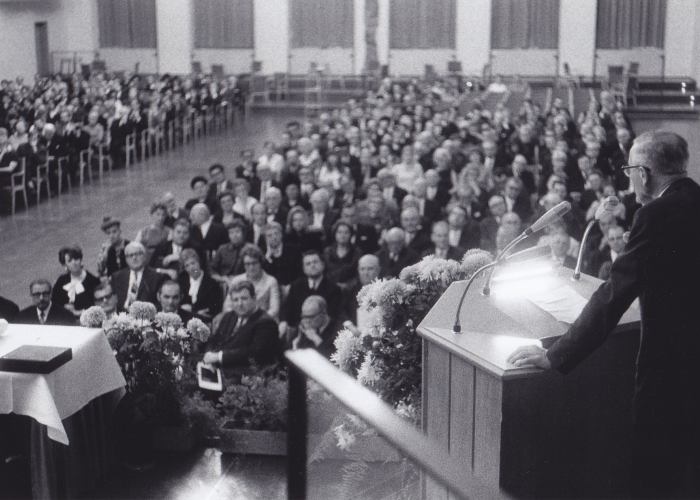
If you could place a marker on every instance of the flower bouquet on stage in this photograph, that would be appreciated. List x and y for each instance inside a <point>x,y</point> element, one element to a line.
<point>154,350</point>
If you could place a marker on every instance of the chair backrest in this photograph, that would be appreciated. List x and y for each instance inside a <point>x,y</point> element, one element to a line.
<point>633,69</point>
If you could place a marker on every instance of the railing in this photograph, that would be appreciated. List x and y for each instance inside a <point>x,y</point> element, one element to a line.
<point>308,364</point>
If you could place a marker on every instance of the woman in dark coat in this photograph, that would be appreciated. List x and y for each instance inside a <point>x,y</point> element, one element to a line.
<point>73,289</point>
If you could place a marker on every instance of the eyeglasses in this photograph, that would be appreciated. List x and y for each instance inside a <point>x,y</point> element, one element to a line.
<point>41,294</point>
<point>251,263</point>
<point>627,169</point>
<point>103,299</point>
<point>310,316</point>
<point>137,254</point>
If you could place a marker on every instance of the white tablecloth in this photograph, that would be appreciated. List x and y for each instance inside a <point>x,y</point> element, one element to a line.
<point>50,398</point>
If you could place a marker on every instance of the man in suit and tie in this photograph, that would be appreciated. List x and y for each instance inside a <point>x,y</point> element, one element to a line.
<point>245,335</point>
<point>206,233</point>
<point>464,232</point>
<point>42,311</point>
<point>395,255</point>
<point>313,282</point>
<point>317,330</point>
<point>273,203</point>
<point>367,271</point>
<point>660,266</point>
<point>219,183</point>
<point>441,247</point>
<point>170,298</point>
<point>137,282</point>
<point>390,190</point>
<point>429,209</point>
<point>166,256</point>
<point>283,262</point>
<point>416,238</point>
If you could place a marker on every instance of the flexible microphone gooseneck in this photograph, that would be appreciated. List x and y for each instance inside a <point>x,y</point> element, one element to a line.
<point>527,254</point>
<point>550,216</point>
<point>607,206</point>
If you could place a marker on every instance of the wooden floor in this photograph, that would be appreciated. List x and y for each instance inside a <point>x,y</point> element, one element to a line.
<point>29,241</point>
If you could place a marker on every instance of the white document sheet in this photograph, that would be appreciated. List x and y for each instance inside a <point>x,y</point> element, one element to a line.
<point>562,302</point>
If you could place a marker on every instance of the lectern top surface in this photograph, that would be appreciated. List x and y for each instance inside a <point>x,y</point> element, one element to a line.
<point>493,326</point>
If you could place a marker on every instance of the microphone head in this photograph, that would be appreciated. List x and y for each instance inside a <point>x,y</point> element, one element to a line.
<point>550,216</point>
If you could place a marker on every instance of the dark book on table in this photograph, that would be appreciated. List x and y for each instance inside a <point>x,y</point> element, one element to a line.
<point>35,359</point>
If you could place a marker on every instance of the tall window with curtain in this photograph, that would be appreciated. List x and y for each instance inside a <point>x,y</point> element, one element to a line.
<point>223,24</point>
<point>627,24</point>
<point>127,23</point>
<point>321,23</point>
<point>525,24</point>
<point>422,24</point>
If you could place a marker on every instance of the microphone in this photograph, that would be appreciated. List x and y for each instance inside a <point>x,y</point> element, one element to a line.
<point>550,216</point>
<point>608,205</point>
<point>522,256</point>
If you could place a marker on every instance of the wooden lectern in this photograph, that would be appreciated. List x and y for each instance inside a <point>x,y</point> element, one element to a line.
<point>533,433</point>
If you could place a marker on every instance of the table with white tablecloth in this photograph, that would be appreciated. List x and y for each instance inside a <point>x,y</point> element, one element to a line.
<point>71,404</point>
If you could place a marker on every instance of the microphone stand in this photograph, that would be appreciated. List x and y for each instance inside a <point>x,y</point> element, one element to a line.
<point>457,328</point>
<point>502,255</point>
<point>579,259</point>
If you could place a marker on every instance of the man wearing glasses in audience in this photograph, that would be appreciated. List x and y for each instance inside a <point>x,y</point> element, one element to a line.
<point>105,298</point>
<point>42,312</point>
<point>137,282</point>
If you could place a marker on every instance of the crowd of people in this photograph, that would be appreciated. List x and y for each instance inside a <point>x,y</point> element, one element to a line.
<point>64,123</point>
<point>272,249</point>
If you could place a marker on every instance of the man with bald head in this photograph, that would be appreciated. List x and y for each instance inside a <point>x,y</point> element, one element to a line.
<point>660,266</point>
<point>206,233</point>
<point>394,254</point>
<point>367,271</point>
<point>317,330</point>
<point>136,282</point>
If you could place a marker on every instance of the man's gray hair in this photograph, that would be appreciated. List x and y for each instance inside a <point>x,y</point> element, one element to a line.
<point>666,152</point>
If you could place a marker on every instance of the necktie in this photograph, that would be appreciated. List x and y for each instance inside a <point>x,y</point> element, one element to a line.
<point>42,317</point>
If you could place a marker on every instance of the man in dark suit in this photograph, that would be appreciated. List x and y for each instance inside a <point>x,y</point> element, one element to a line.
<point>390,190</point>
<point>174,211</point>
<point>200,189</point>
<point>273,203</point>
<point>166,256</point>
<point>8,310</point>
<point>441,247</point>
<point>313,282</point>
<point>416,237</point>
<point>559,244</point>
<point>517,199</point>
<point>43,312</point>
<point>367,271</point>
<point>463,231</point>
<point>245,335</point>
<point>365,235</point>
<point>661,266</point>
<point>219,183</point>
<point>205,233</point>
<point>170,298</point>
<point>282,261</point>
<point>137,282</point>
<point>395,255</point>
<point>317,329</point>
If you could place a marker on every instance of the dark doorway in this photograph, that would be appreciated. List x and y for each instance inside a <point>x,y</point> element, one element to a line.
<point>41,36</point>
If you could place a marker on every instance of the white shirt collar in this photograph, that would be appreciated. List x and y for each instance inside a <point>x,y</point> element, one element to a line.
<point>204,228</point>
<point>194,287</point>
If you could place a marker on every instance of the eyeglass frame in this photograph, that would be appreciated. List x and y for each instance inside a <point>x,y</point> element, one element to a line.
<point>626,169</point>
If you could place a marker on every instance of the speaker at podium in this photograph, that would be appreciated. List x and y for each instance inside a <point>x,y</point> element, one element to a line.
<point>531,432</point>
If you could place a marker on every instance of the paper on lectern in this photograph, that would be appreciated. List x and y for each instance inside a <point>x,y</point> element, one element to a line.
<point>560,301</point>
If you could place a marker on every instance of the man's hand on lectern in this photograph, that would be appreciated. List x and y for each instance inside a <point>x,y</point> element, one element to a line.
<point>530,355</point>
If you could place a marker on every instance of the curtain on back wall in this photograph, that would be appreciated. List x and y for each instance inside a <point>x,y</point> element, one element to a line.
<point>525,24</point>
<point>127,23</point>
<point>321,23</point>
<point>223,24</point>
<point>422,24</point>
<point>626,24</point>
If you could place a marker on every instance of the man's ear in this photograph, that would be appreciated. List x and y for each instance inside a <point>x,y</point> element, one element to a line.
<point>644,175</point>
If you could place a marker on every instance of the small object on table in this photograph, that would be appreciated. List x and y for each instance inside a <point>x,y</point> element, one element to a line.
<point>35,359</point>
